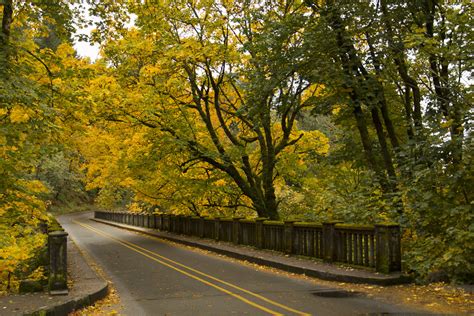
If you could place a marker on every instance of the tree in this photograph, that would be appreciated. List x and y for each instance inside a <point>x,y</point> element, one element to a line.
<point>27,130</point>
<point>404,74</point>
<point>204,79</point>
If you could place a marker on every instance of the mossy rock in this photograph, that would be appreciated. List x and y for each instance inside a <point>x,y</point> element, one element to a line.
<point>30,286</point>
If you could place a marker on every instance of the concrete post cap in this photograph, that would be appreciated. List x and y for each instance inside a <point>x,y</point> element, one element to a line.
<point>58,233</point>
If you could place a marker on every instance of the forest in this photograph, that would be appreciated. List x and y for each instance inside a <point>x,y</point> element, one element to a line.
<point>317,110</point>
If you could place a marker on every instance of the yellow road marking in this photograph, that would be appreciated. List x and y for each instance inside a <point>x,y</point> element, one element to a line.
<point>214,278</point>
<point>124,243</point>
<point>263,298</point>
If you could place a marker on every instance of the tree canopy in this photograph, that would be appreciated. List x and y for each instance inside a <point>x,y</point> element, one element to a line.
<point>358,111</point>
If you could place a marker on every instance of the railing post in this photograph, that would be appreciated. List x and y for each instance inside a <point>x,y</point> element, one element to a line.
<point>217,228</point>
<point>160,221</point>
<point>201,226</point>
<point>288,236</point>
<point>236,227</point>
<point>188,226</point>
<point>259,232</point>
<point>166,222</point>
<point>185,224</point>
<point>177,227</point>
<point>170,223</point>
<point>329,241</point>
<point>178,224</point>
<point>173,223</point>
<point>57,244</point>
<point>388,248</point>
<point>182,224</point>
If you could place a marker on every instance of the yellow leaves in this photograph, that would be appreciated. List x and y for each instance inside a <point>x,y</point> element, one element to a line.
<point>315,90</point>
<point>150,71</point>
<point>34,186</point>
<point>38,274</point>
<point>310,141</point>
<point>57,81</point>
<point>447,124</point>
<point>20,213</point>
<point>11,255</point>
<point>135,207</point>
<point>220,182</point>
<point>336,109</point>
<point>19,115</point>
<point>127,182</point>
<point>103,82</point>
<point>65,50</point>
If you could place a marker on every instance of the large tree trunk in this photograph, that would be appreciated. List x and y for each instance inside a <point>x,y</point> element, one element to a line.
<point>6,21</point>
<point>440,78</point>
<point>358,79</point>
<point>5,33</point>
<point>413,113</point>
<point>380,96</point>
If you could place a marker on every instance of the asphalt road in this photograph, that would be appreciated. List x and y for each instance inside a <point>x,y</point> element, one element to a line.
<point>154,277</point>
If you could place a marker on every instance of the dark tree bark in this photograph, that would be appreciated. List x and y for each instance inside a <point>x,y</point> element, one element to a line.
<point>5,33</point>
<point>440,77</point>
<point>365,89</point>
<point>6,21</point>
<point>413,113</point>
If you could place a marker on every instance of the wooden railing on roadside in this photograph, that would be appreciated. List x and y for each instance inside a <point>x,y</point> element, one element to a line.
<point>374,246</point>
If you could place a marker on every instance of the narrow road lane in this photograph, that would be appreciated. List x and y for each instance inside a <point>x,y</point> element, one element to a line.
<point>154,277</point>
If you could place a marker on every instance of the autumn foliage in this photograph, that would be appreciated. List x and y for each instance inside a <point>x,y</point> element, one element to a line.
<point>315,110</point>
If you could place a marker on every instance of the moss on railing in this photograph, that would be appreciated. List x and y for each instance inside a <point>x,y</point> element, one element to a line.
<point>332,241</point>
<point>245,220</point>
<point>279,223</point>
<point>308,224</point>
<point>355,227</point>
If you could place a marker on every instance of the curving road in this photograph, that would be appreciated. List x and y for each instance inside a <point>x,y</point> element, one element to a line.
<point>154,277</point>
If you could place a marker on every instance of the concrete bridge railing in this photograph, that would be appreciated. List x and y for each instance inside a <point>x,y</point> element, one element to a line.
<point>375,246</point>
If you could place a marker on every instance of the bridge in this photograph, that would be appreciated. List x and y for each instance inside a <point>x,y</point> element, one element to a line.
<point>156,277</point>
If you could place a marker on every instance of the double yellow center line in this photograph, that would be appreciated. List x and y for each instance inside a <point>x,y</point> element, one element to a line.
<point>181,268</point>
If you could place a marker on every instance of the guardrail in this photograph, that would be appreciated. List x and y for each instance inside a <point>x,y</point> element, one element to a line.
<point>375,246</point>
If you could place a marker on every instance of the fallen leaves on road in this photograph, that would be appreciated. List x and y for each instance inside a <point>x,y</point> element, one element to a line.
<point>108,306</point>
